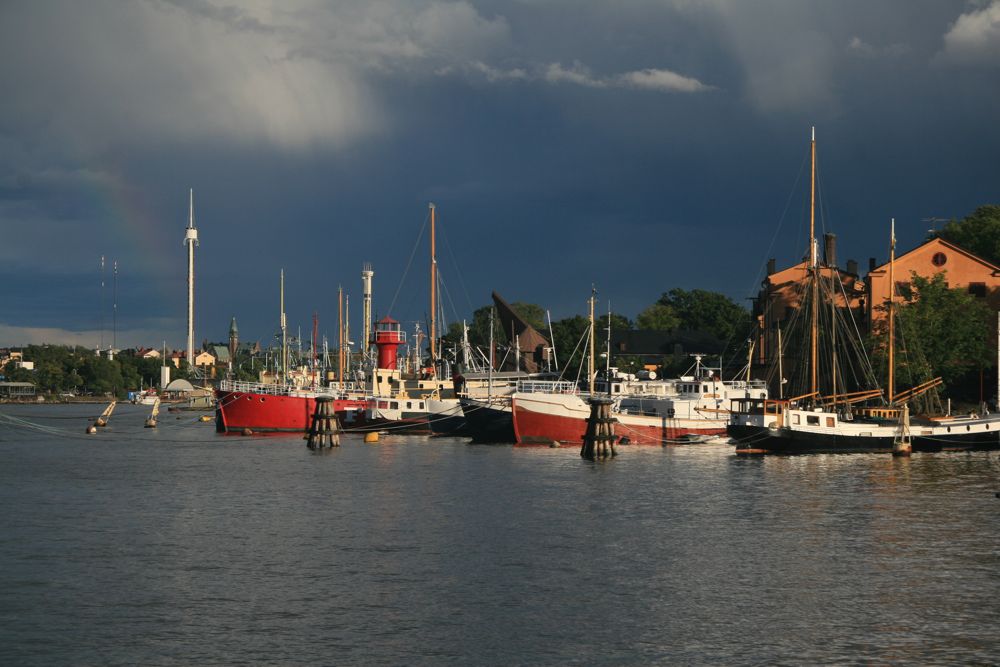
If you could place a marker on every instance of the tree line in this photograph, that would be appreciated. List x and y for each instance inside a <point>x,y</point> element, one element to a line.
<point>79,370</point>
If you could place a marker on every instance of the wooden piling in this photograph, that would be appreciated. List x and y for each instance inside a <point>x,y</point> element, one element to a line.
<point>599,440</point>
<point>901,445</point>
<point>324,431</point>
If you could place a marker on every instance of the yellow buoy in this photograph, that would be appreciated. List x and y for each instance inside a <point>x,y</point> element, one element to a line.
<point>371,436</point>
<point>206,418</point>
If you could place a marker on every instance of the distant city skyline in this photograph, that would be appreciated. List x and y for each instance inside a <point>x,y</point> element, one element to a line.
<point>635,147</point>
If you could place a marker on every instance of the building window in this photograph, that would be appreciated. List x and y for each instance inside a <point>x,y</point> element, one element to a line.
<point>977,289</point>
<point>904,289</point>
<point>939,259</point>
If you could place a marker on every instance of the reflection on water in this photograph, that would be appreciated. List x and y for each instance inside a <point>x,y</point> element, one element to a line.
<point>177,546</point>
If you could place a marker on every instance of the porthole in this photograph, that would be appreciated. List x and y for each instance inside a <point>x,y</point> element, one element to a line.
<point>939,259</point>
<point>261,399</point>
<point>968,428</point>
<point>949,429</point>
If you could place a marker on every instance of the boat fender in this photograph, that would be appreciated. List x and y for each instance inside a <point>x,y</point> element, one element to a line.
<point>246,431</point>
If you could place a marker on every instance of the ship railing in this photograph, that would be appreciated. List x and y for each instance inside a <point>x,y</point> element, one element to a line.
<point>272,389</point>
<point>547,387</point>
<point>744,384</point>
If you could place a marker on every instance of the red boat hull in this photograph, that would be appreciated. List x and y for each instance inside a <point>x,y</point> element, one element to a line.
<point>265,413</point>
<point>542,427</point>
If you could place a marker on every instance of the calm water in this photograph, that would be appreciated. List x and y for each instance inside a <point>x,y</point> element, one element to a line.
<point>180,547</point>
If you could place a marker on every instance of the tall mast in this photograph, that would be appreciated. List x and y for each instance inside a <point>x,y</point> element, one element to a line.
<point>315,355</point>
<point>607,357</point>
<point>100,349</point>
<point>591,372</point>
<point>114,311</point>
<point>433,346</point>
<point>552,342</point>
<point>814,267</point>
<point>517,348</point>
<point>489,376</point>
<point>892,325</point>
<point>366,307</point>
<point>284,333</point>
<point>340,337</point>
<point>781,372</point>
<point>347,334</point>
<point>190,240</point>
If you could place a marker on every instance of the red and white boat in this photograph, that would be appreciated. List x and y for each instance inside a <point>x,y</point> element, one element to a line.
<point>263,407</point>
<point>648,412</point>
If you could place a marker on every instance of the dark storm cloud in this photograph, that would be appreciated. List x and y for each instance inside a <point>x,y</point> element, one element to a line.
<point>639,147</point>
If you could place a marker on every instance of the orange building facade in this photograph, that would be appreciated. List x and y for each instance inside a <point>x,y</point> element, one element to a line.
<point>962,270</point>
<point>782,292</point>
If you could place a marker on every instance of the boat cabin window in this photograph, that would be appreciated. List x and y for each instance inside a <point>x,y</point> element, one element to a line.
<point>408,406</point>
<point>812,419</point>
<point>421,405</point>
<point>394,405</point>
<point>383,405</point>
<point>796,419</point>
<point>830,421</point>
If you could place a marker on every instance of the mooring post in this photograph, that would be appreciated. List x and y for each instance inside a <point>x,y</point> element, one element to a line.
<point>324,430</point>
<point>901,445</point>
<point>599,440</point>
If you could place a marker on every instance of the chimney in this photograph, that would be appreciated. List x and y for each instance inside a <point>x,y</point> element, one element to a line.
<point>871,264</point>
<point>830,249</point>
<point>770,266</point>
<point>852,266</point>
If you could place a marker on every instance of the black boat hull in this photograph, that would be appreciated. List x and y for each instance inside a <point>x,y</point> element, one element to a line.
<point>761,439</point>
<point>488,423</point>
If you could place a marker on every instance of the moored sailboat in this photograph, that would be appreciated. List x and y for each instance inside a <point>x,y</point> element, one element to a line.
<point>829,416</point>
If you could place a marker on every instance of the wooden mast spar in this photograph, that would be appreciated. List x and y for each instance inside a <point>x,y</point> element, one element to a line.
<point>591,371</point>
<point>892,324</point>
<point>433,336</point>
<point>814,267</point>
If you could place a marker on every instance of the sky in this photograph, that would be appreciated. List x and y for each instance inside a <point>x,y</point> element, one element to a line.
<point>633,147</point>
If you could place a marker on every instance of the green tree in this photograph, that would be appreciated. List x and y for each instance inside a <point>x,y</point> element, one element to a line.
<point>659,317</point>
<point>942,332</point>
<point>531,313</point>
<point>568,333</point>
<point>710,312</point>
<point>15,374</point>
<point>978,232</point>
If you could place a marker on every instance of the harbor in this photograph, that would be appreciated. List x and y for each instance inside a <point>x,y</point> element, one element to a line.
<point>153,547</point>
<point>457,332</point>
